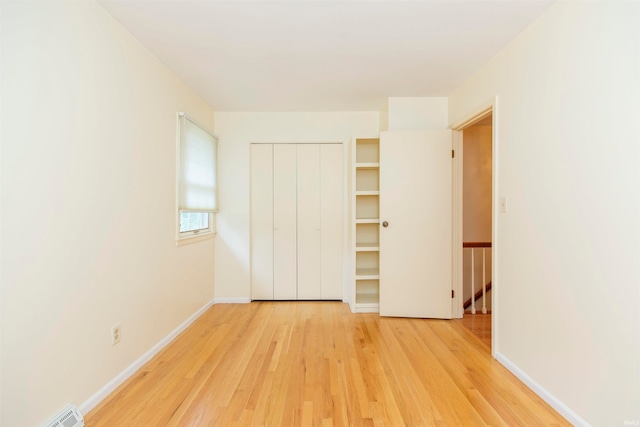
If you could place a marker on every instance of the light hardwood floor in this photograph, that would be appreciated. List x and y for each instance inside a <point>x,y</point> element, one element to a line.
<point>317,364</point>
<point>479,325</point>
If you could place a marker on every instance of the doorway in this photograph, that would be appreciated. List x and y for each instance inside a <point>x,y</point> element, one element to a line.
<point>475,139</point>
<point>476,227</point>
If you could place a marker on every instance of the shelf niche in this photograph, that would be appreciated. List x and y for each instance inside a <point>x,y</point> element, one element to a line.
<point>367,207</point>
<point>367,234</point>
<point>367,150</point>
<point>367,180</point>
<point>366,204</point>
<point>367,292</point>
<point>367,263</point>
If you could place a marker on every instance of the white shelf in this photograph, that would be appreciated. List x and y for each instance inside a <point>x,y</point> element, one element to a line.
<point>367,308</point>
<point>367,247</point>
<point>367,220</point>
<point>368,193</point>
<point>367,274</point>
<point>367,298</point>
<point>368,165</point>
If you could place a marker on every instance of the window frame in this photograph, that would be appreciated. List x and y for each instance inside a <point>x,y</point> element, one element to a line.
<point>193,236</point>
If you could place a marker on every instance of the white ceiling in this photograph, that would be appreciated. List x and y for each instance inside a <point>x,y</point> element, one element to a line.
<point>322,55</point>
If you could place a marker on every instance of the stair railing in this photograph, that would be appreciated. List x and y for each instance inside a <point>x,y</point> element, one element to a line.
<point>475,246</point>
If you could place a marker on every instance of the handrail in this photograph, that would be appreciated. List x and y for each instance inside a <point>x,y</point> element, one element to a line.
<point>476,244</point>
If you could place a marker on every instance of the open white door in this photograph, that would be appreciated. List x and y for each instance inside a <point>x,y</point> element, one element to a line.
<point>415,205</point>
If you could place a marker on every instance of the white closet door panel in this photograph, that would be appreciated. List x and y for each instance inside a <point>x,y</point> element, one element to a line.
<point>415,247</point>
<point>309,221</point>
<point>262,221</point>
<point>331,219</point>
<point>284,222</point>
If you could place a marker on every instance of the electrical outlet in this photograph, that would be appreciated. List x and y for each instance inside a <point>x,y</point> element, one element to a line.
<point>115,335</point>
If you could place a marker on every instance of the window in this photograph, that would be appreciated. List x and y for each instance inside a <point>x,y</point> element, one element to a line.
<point>197,179</point>
<point>193,222</point>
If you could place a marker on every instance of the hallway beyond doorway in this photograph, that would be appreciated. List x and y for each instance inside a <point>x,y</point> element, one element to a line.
<point>479,325</point>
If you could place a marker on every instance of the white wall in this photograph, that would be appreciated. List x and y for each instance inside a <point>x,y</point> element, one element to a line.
<point>236,132</point>
<point>569,162</point>
<point>476,186</point>
<point>417,113</point>
<point>88,206</point>
<point>476,199</point>
<point>384,116</point>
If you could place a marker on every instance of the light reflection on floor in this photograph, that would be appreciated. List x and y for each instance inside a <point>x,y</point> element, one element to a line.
<point>479,325</point>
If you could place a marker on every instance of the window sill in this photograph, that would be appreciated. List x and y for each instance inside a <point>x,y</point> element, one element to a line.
<point>182,241</point>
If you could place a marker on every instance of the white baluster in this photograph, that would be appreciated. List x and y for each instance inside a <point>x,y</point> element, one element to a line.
<point>484,286</point>
<point>473,289</point>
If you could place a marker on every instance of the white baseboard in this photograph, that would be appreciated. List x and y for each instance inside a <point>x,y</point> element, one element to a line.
<point>105,391</point>
<point>367,308</point>
<point>553,401</point>
<point>352,307</point>
<point>232,300</point>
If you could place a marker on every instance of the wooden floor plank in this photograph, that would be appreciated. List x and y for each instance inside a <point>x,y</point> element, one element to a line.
<point>317,364</point>
<point>479,324</point>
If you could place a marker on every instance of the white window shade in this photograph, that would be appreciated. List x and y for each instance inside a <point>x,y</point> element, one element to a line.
<point>197,178</point>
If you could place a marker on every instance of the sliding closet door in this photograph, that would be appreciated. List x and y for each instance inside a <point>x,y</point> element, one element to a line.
<point>331,219</point>
<point>308,184</point>
<point>284,222</point>
<point>296,221</point>
<point>262,221</point>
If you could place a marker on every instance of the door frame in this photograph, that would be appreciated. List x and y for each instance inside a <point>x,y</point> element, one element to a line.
<point>487,108</point>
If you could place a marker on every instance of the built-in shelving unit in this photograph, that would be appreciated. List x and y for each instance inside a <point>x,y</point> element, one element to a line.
<point>366,222</point>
